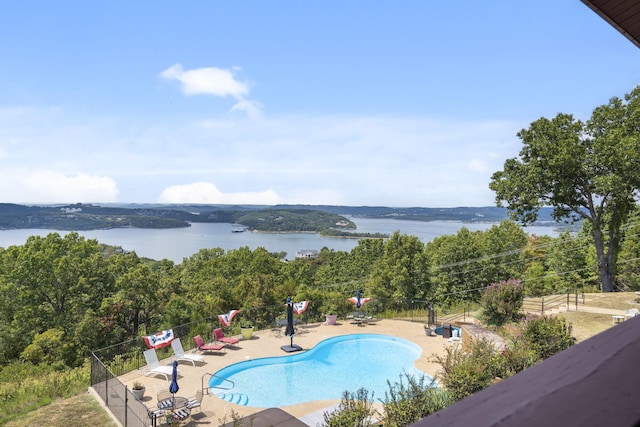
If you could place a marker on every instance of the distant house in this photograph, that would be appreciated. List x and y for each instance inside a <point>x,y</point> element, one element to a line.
<point>307,254</point>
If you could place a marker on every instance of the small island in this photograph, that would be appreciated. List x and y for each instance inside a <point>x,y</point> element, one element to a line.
<point>80,216</point>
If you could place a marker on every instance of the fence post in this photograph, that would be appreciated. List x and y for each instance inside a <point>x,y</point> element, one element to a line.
<point>106,383</point>
<point>542,305</point>
<point>568,301</point>
<point>126,405</point>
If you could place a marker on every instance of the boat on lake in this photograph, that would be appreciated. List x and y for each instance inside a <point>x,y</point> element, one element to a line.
<point>238,228</point>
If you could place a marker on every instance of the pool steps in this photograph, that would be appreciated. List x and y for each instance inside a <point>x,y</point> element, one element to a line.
<point>237,398</point>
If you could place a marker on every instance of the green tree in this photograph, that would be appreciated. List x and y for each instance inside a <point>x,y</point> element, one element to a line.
<point>47,347</point>
<point>583,170</point>
<point>50,283</point>
<point>628,266</point>
<point>136,302</point>
<point>454,271</point>
<point>567,260</point>
<point>502,245</point>
<point>537,279</point>
<point>402,271</point>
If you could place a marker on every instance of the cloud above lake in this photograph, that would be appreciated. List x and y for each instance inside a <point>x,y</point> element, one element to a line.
<point>351,160</point>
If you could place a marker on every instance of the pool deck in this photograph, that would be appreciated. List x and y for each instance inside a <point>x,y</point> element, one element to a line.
<point>215,411</point>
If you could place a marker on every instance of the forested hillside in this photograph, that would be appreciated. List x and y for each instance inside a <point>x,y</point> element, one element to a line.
<point>89,217</point>
<point>328,220</point>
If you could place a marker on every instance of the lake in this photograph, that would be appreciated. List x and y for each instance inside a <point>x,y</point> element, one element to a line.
<point>178,243</point>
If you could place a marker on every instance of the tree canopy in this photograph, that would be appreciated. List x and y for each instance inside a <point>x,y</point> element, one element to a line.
<point>584,170</point>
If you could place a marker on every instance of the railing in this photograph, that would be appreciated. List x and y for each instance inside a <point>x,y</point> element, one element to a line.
<point>551,302</point>
<point>128,356</point>
<point>461,314</point>
<point>207,388</point>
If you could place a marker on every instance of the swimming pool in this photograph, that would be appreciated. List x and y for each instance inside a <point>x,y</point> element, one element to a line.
<point>335,365</point>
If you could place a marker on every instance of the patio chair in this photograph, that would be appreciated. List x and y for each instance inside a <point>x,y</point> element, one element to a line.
<point>181,414</point>
<point>163,395</point>
<point>153,365</point>
<point>195,401</point>
<point>180,355</point>
<point>218,335</point>
<point>207,348</point>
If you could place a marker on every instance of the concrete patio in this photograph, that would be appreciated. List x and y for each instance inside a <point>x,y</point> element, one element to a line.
<point>215,411</point>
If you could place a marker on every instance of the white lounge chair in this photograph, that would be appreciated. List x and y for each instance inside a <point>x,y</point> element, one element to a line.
<point>632,312</point>
<point>153,365</point>
<point>179,354</point>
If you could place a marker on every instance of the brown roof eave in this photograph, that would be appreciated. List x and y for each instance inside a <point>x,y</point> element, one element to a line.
<point>630,28</point>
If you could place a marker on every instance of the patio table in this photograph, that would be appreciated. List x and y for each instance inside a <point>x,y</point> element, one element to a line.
<point>180,402</point>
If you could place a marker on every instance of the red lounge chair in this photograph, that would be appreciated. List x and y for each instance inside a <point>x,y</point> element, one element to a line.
<point>202,346</point>
<point>218,335</point>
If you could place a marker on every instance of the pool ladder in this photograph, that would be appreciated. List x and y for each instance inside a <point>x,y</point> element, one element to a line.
<point>222,390</point>
<point>207,389</point>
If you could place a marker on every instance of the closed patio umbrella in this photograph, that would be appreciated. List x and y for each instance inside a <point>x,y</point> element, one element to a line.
<point>173,387</point>
<point>290,330</point>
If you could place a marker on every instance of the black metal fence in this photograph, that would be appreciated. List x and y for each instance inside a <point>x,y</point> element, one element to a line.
<point>108,363</point>
<point>567,299</point>
<point>117,396</point>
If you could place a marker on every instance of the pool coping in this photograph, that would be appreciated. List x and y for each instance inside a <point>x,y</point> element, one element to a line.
<point>266,344</point>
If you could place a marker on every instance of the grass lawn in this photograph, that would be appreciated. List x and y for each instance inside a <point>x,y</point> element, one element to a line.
<point>78,411</point>
<point>617,300</point>
<point>585,325</point>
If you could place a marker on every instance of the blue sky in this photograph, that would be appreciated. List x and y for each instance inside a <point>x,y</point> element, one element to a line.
<point>412,103</point>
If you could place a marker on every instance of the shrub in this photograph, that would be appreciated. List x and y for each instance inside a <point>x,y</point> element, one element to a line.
<point>546,335</point>
<point>355,410</point>
<point>47,347</point>
<point>464,373</point>
<point>516,357</point>
<point>407,403</point>
<point>502,302</point>
<point>537,338</point>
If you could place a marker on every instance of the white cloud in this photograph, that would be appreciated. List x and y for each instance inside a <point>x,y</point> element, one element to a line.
<point>47,186</point>
<point>216,82</point>
<point>208,193</point>
<point>351,160</point>
<point>252,108</point>
<point>478,165</point>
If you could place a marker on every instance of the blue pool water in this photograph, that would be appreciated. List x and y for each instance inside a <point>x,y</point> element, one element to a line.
<point>335,365</point>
